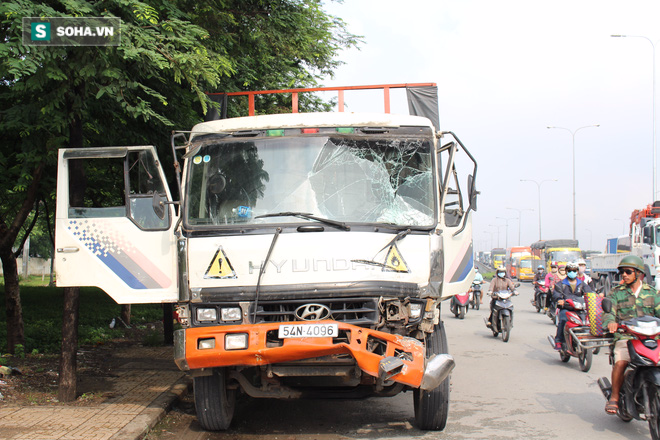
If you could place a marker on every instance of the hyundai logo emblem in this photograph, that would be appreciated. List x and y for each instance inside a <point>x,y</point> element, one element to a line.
<point>312,312</point>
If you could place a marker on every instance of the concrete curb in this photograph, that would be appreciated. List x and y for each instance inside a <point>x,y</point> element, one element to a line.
<point>154,413</point>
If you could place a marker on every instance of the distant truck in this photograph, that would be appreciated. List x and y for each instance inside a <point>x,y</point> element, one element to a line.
<point>498,257</point>
<point>513,256</point>
<point>527,267</point>
<point>557,252</point>
<point>642,240</point>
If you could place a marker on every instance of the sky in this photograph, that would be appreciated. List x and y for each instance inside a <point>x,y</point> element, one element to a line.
<point>505,71</point>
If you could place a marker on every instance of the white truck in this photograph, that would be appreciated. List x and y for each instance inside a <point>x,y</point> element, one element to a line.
<point>308,254</point>
<point>643,241</point>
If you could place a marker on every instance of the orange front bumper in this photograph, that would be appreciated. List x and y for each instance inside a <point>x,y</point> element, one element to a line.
<point>258,352</point>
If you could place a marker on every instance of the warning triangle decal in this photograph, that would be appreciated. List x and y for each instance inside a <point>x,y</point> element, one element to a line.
<point>394,261</point>
<point>220,266</point>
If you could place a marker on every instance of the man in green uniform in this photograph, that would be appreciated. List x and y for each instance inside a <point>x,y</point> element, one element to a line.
<point>631,299</point>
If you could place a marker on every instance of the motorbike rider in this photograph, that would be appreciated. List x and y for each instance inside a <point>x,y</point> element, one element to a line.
<point>552,277</point>
<point>632,298</point>
<point>538,277</point>
<point>478,279</point>
<point>569,288</point>
<point>500,282</point>
<point>582,273</point>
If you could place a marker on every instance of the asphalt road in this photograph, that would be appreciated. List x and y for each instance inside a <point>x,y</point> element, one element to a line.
<point>513,390</point>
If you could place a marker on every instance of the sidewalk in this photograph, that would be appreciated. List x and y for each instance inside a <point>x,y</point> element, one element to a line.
<point>143,388</point>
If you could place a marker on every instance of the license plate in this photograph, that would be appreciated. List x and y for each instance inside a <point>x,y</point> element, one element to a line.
<point>308,331</point>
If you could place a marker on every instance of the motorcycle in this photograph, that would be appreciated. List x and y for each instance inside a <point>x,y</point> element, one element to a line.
<point>540,296</point>
<point>475,294</point>
<point>459,304</point>
<point>577,334</point>
<point>639,397</point>
<point>502,318</point>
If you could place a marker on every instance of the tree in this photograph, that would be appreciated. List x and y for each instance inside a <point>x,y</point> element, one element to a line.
<point>61,96</point>
<point>171,52</point>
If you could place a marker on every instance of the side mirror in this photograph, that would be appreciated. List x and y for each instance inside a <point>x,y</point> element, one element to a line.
<point>158,203</point>
<point>472,192</point>
<point>607,305</point>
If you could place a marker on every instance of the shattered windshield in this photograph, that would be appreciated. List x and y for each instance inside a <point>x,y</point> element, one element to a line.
<point>352,179</point>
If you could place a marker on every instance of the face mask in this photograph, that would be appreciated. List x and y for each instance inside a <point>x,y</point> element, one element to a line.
<point>572,275</point>
<point>500,274</point>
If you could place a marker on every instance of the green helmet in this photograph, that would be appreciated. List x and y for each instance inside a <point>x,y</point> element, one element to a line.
<point>632,261</point>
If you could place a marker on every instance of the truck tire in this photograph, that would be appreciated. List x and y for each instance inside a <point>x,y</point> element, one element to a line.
<point>432,407</point>
<point>214,403</point>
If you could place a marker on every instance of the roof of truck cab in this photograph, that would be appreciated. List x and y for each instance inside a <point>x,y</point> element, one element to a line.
<point>295,120</point>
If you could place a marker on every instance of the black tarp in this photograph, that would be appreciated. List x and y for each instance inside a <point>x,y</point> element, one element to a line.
<point>423,101</point>
<point>213,114</point>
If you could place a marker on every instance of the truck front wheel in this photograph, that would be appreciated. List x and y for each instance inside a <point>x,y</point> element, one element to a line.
<point>214,403</point>
<point>432,407</point>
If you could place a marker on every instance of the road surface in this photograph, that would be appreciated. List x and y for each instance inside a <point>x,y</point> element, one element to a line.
<point>513,390</point>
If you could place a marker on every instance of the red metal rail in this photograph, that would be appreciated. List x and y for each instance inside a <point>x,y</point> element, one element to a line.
<point>340,94</point>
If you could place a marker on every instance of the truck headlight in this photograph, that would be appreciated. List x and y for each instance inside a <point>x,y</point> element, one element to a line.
<point>206,315</point>
<point>236,341</point>
<point>415,310</point>
<point>206,344</point>
<point>230,314</point>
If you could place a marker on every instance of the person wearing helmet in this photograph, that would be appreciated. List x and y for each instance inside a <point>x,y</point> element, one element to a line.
<point>630,299</point>
<point>538,277</point>
<point>569,288</point>
<point>582,273</point>
<point>500,282</point>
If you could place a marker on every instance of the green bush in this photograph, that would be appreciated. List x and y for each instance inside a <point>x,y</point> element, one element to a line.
<point>42,316</point>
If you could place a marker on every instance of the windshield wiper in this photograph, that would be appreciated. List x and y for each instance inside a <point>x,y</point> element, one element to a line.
<point>308,216</point>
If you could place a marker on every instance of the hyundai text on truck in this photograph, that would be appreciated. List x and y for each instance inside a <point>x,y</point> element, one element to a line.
<point>642,240</point>
<point>308,254</point>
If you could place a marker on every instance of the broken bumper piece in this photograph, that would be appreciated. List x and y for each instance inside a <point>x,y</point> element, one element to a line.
<point>379,354</point>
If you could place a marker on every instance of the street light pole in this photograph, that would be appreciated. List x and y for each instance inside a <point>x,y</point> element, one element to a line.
<point>498,233</point>
<point>507,230</point>
<point>538,186</point>
<point>655,149</point>
<point>519,218</point>
<point>573,132</point>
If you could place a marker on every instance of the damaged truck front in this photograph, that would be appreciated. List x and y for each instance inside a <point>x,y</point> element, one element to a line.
<point>308,255</point>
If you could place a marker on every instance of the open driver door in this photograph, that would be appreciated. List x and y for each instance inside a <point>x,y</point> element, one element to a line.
<point>107,233</point>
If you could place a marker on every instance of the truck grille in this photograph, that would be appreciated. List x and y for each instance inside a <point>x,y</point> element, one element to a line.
<point>356,311</point>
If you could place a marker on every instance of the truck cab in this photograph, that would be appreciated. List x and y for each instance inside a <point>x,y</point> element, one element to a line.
<point>308,254</point>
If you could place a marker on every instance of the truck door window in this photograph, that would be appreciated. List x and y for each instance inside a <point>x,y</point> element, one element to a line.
<point>96,188</point>
<point>453,207</point>
<point>143,181</point>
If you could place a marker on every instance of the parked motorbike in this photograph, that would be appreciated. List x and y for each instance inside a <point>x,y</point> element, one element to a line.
<point>459,304</point>
<point>502,318</point>
<point>475,294</point>
<point>540,296</point>
<point>577,334</point>
<point>639,397</point>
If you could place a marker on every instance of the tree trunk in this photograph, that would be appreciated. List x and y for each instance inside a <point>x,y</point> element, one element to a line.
<point>14,310</point>
<point>68,367</point>
<point>126,313</point>
<point>67,390</point>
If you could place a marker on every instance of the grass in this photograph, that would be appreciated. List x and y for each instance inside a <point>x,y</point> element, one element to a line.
<point>42,316</point>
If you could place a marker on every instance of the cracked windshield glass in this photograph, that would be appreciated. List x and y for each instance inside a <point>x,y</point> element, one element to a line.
<point>347,179</point>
